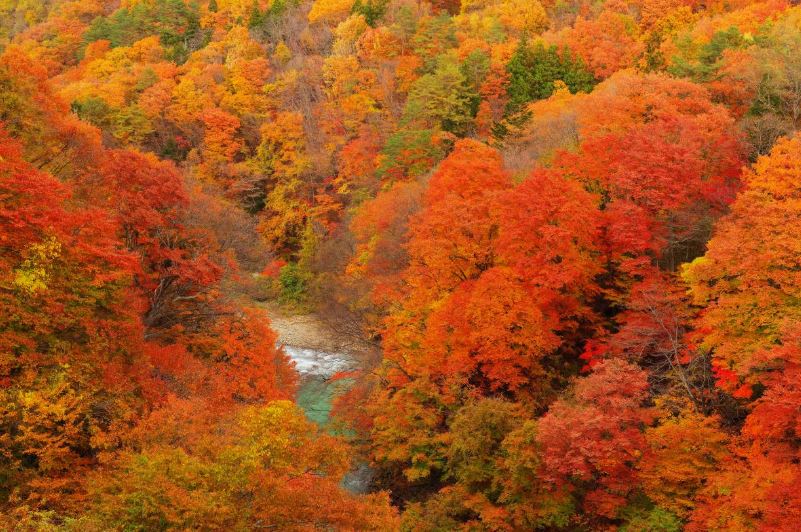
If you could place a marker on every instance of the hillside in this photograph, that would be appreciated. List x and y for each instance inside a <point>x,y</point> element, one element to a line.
<point>558,242</point>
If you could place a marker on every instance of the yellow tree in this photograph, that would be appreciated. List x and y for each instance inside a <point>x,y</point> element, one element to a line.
<point>750,278</point>
<point>282,158</point>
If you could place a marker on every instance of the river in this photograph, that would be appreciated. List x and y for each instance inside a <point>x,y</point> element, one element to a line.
<point>317,389</point>
<point>316,393</point>
<point>319,353</point>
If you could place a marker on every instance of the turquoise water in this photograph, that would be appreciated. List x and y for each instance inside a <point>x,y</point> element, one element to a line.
<point>316,394</point>
<point>318,388</point>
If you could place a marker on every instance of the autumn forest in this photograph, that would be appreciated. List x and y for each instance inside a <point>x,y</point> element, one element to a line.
<point>565,235</point>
